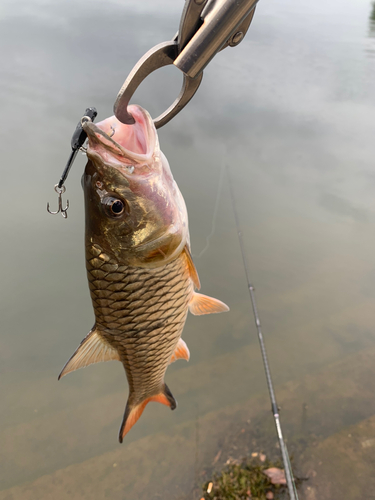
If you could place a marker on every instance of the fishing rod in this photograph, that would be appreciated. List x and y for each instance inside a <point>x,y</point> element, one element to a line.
<point>275,409</point>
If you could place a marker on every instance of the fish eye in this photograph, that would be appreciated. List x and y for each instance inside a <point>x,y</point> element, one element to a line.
<point>114,207</point>
<point>117,207</point>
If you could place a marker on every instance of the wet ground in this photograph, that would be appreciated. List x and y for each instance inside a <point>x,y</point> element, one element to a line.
<point>291,112</point>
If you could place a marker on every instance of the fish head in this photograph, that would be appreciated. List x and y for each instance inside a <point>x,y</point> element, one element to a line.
<point>134,209</point>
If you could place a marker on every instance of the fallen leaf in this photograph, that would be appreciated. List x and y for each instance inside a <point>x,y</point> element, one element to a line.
<point>233,461</point>
<point>277,476</point>
<point>255,454</point>
<point>262,457</point>
<point>269,495</point>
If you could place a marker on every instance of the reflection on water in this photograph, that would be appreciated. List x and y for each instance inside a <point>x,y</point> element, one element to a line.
<point>291,110</point>
<point>371,39</point>
<point>372,13</point>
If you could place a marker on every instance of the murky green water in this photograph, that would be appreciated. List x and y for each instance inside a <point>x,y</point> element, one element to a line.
<point>291,111</point>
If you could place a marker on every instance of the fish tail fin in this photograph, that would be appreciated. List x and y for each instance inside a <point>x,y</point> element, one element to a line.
<point>134,411</point>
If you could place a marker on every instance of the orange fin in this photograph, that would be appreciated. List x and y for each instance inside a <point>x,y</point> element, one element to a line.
<point>181,352</point>
<point>133,412</point>
<point>92,349</point>
<point>202,304</point>
<point>192,269</point>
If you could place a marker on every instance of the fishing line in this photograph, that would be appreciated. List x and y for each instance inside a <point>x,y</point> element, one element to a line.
<point>275,410</point>
<point>216,209</point>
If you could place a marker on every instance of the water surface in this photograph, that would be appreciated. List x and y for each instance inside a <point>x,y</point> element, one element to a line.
<point>291,112</point>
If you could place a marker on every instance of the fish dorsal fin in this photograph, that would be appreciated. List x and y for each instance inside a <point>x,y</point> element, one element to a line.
<point>181,352</point>
<point>192,269</point>
<point>202,304</point>
<point>92,349</point>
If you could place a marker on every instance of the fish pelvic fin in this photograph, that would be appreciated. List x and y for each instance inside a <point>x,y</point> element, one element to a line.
<point>181,352</point>
<point>92,349</point>
<point>202,304</point>
<point>134,411</point>
<point>192,269</point>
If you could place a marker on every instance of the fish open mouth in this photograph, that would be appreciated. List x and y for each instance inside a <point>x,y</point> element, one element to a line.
<point>117,143</point>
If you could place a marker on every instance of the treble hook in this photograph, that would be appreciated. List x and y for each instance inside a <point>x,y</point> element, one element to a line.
<point>60,191</point>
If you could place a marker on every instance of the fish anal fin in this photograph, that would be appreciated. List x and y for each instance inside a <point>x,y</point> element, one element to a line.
<point>202,304</point>
<point>92,349</point>
<point>192,269</point>
<point>134,411</point>
<point>181,352</point>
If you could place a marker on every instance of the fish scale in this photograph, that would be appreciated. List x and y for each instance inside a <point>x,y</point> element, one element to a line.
<point>155,322</point>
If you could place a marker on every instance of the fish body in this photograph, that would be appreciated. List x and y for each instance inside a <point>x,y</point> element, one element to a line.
<point>141,275</point>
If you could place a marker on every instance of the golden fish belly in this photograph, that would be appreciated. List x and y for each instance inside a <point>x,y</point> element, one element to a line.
<point>141,313</point>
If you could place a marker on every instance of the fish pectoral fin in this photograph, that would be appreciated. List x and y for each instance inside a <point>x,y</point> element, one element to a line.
<point>92,349</point>
<point>202,304</point>
<point>181,352</point>
<point>192,269</point>
<point>134,411</point>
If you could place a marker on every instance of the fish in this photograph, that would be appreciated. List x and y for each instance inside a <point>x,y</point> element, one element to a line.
<point>140,270</point>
